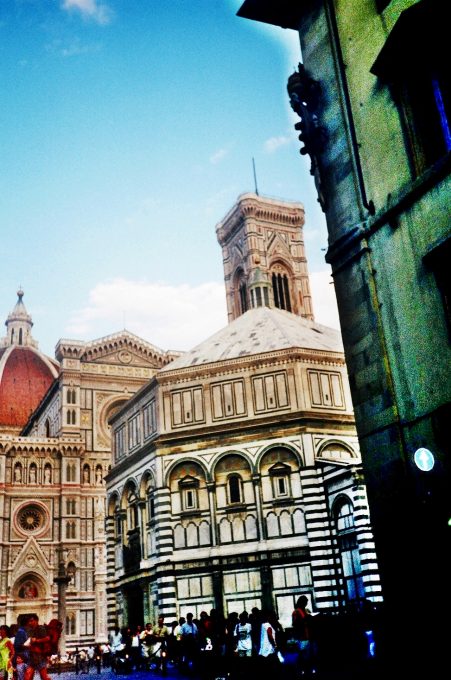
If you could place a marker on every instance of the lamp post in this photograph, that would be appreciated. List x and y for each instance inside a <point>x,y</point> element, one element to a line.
<point>62,580</point>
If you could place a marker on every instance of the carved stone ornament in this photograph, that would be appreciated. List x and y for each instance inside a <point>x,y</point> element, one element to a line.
<point>305,98</point>
<point>31,560</point>
<point>31,518</point>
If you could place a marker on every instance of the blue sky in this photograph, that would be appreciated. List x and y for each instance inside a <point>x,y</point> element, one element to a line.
<point>127,131</point>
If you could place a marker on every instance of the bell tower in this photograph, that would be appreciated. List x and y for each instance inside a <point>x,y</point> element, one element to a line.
<point>264,257</point>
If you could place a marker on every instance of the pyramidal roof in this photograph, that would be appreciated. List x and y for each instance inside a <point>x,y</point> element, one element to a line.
<point>258,331</point>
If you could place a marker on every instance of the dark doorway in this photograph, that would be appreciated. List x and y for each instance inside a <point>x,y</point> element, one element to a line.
<point>135,606</point>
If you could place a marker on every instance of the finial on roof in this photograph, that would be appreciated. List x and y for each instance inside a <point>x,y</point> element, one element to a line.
<point>255,177</point>
<point>19,325</point>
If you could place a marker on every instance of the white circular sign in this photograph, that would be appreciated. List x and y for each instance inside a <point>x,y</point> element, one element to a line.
<point>424,459</point>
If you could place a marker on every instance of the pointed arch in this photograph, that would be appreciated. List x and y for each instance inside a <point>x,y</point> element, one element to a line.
<point>281,280</point>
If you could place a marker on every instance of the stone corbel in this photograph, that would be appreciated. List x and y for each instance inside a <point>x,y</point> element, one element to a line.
<point>305,98</point>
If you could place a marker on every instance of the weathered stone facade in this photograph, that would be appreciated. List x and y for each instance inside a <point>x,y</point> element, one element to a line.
<point>374,80</point>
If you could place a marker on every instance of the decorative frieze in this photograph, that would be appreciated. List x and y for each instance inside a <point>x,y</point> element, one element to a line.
<point>111,370</point>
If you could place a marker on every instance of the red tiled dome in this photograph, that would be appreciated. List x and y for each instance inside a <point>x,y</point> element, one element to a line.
<point>25,376</point>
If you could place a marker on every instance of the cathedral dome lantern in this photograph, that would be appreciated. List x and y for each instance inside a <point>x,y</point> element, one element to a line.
<point>25,373</point>
<point>19,325</point>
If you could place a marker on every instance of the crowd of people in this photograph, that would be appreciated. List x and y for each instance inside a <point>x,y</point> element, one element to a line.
<point>208,646</point>
<point>26,647</point>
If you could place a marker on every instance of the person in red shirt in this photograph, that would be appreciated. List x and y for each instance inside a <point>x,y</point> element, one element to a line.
<point>301,619</point>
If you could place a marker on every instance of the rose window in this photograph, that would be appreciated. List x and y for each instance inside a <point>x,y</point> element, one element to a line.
<point>30,518</point>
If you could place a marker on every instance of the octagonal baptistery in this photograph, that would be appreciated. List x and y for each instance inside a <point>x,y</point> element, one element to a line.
<point>25,373</point>
<point>232,470</point>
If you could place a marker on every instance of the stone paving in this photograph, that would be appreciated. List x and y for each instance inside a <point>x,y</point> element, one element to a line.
<point>287,672</point>
<point>330,668</point>
<point>108,674</point>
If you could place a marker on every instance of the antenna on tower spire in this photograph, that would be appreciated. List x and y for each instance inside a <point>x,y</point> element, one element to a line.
<point>255,176</point>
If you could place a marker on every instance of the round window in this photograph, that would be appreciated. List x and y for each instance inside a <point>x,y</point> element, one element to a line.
<point>31,518</point>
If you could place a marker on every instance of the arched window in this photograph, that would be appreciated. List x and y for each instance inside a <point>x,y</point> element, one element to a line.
<point>20,336</point>
<point>349,550</point>
<point>243,297</point>
<point>47,428</point>
<point>70,530</point>
<point>150,499</point>
<point>70,472</point>
<point>70,396</point>
<point>132,510</point>
<point>70,506</point>
<point>241,292</point>
<point>281,291</point>
<point>234,484</point>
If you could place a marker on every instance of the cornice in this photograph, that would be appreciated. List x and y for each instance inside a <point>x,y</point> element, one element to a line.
<point>37,445</point>
<point>265,360</point>
<point>269,210</point>
<point>95,349</point>
<point>277,424</point>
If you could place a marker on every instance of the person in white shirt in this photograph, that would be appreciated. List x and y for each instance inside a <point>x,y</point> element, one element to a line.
<point>243,630</point>
<point>116,646</point>
<point>136,654</point>
<point>267,653</point>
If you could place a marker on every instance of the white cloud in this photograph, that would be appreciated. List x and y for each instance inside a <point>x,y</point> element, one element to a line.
<point>323,298</point>
<point>75,49</point>
<point>170,317</point>
<point>72,49</point>
<point>218,156</point>
<point>173,317</point>
<point>91,9</point>
<point>273,143</point>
